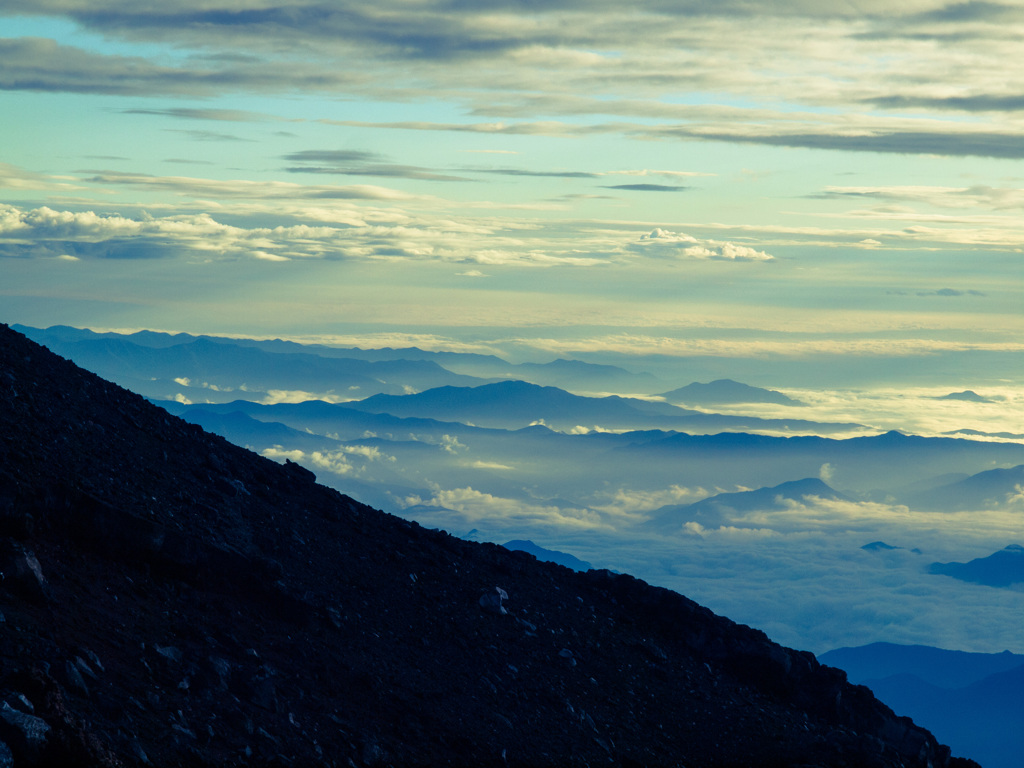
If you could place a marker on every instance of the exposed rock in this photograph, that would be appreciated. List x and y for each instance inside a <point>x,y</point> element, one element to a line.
<point>73,678</point>
<point>492,601</point>
<point>27,734</point>
<point>21,569</point>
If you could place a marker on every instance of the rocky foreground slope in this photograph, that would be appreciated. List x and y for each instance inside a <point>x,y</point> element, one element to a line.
<point>170,599</point>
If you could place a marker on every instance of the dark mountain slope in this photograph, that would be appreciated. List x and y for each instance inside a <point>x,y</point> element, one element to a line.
<point>171,599</point>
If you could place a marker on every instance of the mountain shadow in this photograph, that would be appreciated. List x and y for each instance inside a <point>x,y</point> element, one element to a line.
<point>171,599</point>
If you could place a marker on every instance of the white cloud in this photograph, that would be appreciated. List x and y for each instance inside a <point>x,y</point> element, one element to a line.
<point>451,444</point>
<point>676,245</point>
<point>882,66</point>
<point>491,465</point>
<point>800,574</point>
<point>337,461</point>
<point>915,409</point>
<point>1017,497</point>
<point>997,198</point>
<point>501,515</point>
<point>279,454</point>
<point>264,256</point>
<point>340,461</point>
<point>14,177</point>
<point>638,344</point>
<point>372,235</point>
<point>667,174</point>
<point>275,396</point>
<point>633,503</point>
<point>333,461</point>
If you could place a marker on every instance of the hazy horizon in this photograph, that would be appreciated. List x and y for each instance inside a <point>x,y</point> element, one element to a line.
<point>784,182</point>
<point>821,198</point>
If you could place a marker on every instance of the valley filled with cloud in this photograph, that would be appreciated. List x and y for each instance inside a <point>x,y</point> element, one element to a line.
<point>809,514</point>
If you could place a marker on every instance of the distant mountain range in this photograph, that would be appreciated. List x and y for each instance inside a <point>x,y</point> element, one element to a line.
<point>726,392</point>
<point>242,429</point>
<point>980,433</point>
<point>548,555</point>
<point>937,666</point>
<point>514,404</point>
<point>971,700</point>
<point>93,350</point>
<point>887,460</point>
<point>565,465</point>
<point>205,370</point>
<point>881,546</point>
<point>1000,569</point>
<point>992,488</point>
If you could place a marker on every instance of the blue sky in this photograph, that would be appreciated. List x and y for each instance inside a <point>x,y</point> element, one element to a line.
<point>689,178</point>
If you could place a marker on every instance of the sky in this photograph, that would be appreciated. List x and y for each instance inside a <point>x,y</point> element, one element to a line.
<point>786,180</point>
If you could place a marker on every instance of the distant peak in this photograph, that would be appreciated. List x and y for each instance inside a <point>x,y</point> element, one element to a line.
<point>515,384</point>
<point>878,545</point>
<point>968,394</point>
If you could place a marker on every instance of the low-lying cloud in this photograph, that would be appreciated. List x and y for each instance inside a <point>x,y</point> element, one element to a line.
<point>798,572</point>
<point>47,233</point>
<point>460,509</point>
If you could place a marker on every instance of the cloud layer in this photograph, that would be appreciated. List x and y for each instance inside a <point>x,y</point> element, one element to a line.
<point>928,77</point>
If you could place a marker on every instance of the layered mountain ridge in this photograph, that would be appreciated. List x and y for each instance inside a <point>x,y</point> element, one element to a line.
<point>972,699</point>
<point>171,599</point>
